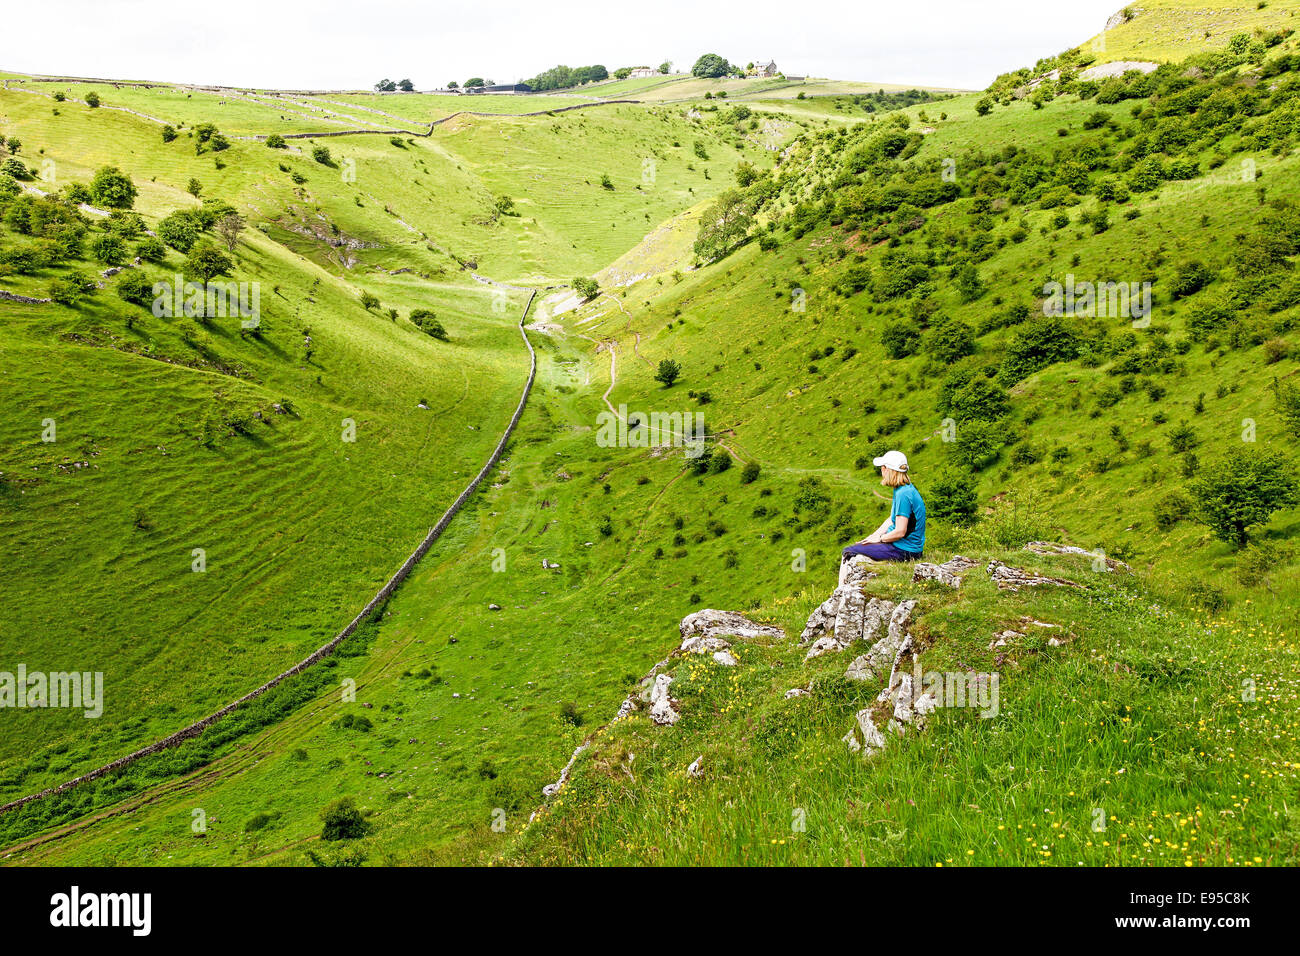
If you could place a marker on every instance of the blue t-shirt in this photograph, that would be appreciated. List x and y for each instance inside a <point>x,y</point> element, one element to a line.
<point>907,502</point>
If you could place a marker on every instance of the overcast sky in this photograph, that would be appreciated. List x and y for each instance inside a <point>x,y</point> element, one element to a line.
<point>352,44</point>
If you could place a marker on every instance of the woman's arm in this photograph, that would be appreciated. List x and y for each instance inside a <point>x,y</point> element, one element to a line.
<point>878,535</point>
<point>899,533</point>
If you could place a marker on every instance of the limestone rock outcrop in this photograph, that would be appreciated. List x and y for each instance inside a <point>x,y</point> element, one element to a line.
<point>949,573</point>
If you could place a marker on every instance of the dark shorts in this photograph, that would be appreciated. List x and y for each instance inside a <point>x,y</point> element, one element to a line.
<point>880,552</point>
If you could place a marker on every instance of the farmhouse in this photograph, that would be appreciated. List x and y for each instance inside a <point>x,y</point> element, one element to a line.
<point>764,69</point>
<point>639,72</point>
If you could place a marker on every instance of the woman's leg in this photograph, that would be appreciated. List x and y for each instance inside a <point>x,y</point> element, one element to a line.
<point>875,552</point>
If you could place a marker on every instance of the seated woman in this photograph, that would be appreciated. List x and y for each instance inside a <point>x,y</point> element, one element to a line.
<point>902,536</point>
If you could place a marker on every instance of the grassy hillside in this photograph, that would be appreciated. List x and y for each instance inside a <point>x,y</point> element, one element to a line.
<point>889,286</point>
<point>1169,30</point>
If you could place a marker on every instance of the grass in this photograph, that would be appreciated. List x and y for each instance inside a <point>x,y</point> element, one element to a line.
<point>1169,30</point>
<point>468,709</point>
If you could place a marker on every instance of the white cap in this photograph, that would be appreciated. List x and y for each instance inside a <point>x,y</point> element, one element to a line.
<point>891,459</point>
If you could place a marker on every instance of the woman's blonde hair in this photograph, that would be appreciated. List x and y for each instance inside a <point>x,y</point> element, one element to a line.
<point>892,479</point>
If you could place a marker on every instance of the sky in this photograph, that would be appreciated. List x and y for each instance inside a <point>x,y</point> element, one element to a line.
<point>351,44</point>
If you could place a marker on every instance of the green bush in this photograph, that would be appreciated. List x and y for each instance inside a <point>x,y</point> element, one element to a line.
<point>1241,491</point>
<point>112,188</point>
<point>952,496</point>
<point>341,820</point>
<point>427,320</point>
<point>134,287</point>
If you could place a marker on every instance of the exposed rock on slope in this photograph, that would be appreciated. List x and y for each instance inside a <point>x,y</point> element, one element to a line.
<point>948,573</point>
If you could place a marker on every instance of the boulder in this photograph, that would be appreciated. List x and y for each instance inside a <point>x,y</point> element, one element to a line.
<point>694,769</point>
<point>1008,578</point>
<point>711,623</point>
<point>948,573</point>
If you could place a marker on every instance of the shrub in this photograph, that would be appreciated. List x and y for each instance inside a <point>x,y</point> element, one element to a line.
<point>749,474</point>
<point>1286,399</point>
<point>369,301</point>
<point>950,341</point>
<point>322,155</point>
<point>952,496</point>
<point>1190,277</point>
<point>15,169</point>
<point>427,320</point>
<point>1182,438</point>
<point>1036,345</point>
<point>134,287</point>
<point>1242,491</point>
<point>978,399</point>
<point>108,249</point>
<point>978,444</point>
<point>1171,509</point>
<point>151,249</point>
<point>206,262</point>
<point>112,188</point>
<point>179,229</point>
<point>92,100</point>
<point>342,821</point>
<point>900,338</point>
<point>276,141</point>
<point>70,289</point>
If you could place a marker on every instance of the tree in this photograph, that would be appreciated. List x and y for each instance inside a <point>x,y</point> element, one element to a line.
<point>453,85</point>
<point>587,289</point>
<point>179,230</point>
<point>427,321</point>
<point>386,86</point>
<point>473,81</point>
<point>207,262</point>
<point>984,106</point>
<point>669,371</point>
<point>92,100</point>
<point>113,188</point>
<point>194,187</point>
<point>666,67</point>
<point>406,86</point>
<point>724,225</point>
<point>710,65</point>
<point>1241,491</point>
<point>951,495</point>
<point>229,227</point>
